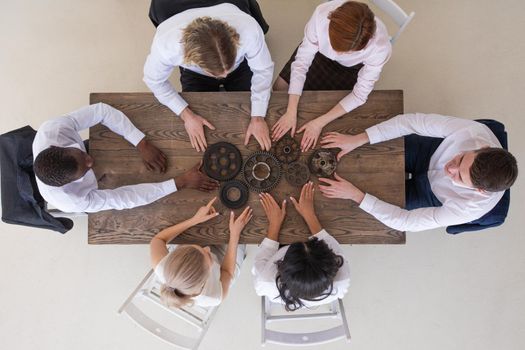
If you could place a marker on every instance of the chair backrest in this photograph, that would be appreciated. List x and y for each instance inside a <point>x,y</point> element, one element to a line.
<point>399,16</point>
<point>187,326</point>
<point>21,201</point>
<point>326,335</point>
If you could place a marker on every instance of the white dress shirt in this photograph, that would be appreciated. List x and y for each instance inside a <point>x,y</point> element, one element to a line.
<point>374,56</point>
<point>167,52</point>
<point>83,194</point>
<point>264,270</point>
<point>211,294</point>
<point>460,203</point>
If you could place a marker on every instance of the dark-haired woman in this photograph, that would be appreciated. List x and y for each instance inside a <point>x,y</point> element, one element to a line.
<point>344,48</point>
<point>304,273</point>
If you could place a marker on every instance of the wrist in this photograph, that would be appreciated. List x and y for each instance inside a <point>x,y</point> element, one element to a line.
<point>363,138</point>
<point>142,144</point>
<point>358,196</point>
<point>180,182</point>
<point>185,114</point>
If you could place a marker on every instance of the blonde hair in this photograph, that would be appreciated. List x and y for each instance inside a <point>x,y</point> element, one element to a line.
<point>185,272</point>
<point>210,44</point>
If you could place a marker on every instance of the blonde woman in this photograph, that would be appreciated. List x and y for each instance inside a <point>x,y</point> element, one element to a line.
<point>214,46</point>
<point>191,274</point>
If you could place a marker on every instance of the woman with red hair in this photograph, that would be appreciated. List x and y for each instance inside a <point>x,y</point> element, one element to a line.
<point>344,48</point>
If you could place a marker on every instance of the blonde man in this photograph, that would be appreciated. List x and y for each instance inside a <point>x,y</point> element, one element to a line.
<point>213,46</point>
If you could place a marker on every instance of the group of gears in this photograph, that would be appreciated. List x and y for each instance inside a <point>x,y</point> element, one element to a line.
<point>262,171</point>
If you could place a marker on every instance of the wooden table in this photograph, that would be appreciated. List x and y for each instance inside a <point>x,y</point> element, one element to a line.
<point>376,169</point>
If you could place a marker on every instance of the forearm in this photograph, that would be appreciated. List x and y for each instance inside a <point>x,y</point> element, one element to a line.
<point>293,103</point>
<point>273,232</point>
<point>332,114</point>
<point>312,222</point>
<point>168,234</point>
<point>228,263</point>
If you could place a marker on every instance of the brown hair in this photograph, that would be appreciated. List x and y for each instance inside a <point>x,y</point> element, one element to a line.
<point>185,272</point>
<point>351,26</point>
<point>210,44</point>
<point>493,169</point>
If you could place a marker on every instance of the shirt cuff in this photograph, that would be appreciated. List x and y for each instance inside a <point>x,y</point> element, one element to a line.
<point>169,186</point>
<point>295,89</point>
<point>259,109</point>
<point>374,135</point>
<point>177,104</point>
<point>135,137</point>
<point>269,243</point>
<point>368,203</point>
<point>350,102</point>
<point>321,234</point>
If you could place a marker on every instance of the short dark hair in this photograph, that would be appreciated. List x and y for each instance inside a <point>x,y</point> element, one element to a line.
<point>493,169</point>
<point>55,166</point>
<point>307,272</point>
<point>351,26</point>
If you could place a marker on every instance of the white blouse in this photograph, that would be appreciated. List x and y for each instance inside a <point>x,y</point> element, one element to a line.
<point>211,294</point>
<point>264,270</point>
<point>374,56</point>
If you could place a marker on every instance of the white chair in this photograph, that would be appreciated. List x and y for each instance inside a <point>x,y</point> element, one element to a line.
<point>335,311</point>
<point>191,323</point>
<point>398,15</point>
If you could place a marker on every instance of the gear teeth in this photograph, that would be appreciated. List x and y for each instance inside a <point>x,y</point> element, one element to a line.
<point>269,182</point>
<point>323,162</point>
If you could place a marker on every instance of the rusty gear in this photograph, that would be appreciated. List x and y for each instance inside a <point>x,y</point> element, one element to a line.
<point>222,161</point>
<point>262,171</point>
<point>234,194</point>
<point>297,174</point>
<point>323,162</point>
<point>287,149</point>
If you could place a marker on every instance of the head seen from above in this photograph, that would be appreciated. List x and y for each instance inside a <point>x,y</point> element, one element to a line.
<point>486,169</point>
<point>58,166</point>
<point>186,271</point>
<point>212,45</point>
<point>351,27</point>
<point>307,272</point>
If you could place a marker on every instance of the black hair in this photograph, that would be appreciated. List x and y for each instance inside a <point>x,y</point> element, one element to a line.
<point>55,166</point>
<point>307,272</point>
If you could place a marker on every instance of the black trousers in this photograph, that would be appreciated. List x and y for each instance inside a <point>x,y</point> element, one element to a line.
<point>238,80</point>
<point>418,151</point>
<point>161,10</point>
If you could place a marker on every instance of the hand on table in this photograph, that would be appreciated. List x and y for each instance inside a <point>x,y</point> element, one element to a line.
<point>311,130</point>
<point>347,143</point>
<point>288,121</point>
<point>195,178</point>
<point>152,157</point>
<point>259,129</point>
<point>340,188</point>
<point>194,125</point>
<point>205,212</point>
<point>274,213</point>
<point>305,206</point>
<point>237,225</point>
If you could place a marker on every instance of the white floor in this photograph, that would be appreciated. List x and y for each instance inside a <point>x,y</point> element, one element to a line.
<point>462,58</point>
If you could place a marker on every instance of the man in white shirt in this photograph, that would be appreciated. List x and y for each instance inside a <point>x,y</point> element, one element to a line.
<point>344,48</point>
<point>213,46</point>
<point>304,273</point>
<point>63,167</point>
<point>467,173</point>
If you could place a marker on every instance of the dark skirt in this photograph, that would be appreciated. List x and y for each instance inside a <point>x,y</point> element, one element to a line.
<point>161,10</point>
<point>324,74</point>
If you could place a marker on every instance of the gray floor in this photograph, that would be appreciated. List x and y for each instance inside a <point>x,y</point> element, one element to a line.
<point>462,58</point>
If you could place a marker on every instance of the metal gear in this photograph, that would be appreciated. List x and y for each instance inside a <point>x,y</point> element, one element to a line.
<point>297,174</point>
<point>287,149</point>
<point>234,194</point>
<point>222,161</point>
<point>323,162</point>
<point>262,171</point>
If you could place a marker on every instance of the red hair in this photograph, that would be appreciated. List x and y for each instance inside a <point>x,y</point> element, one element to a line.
<point>351,26</point>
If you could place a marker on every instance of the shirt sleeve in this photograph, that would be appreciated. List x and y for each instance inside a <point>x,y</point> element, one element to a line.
<point>156,74</point>
<point>261,64</point>
<point>433,125</point>
<point>114,119</point>
<point>127,197</point>
<point>304,57</point>
<point>264,265</point>
<point>417,219</point>
<point>366,78</point>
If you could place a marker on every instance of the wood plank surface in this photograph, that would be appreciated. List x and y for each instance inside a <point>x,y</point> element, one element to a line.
<point>376,169</point>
